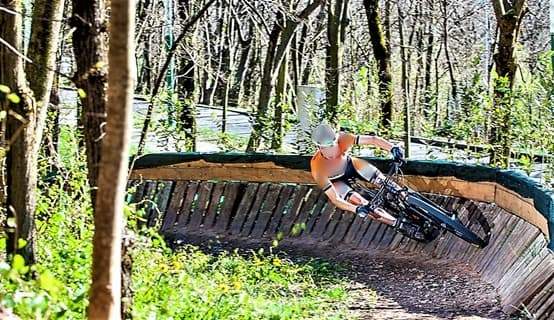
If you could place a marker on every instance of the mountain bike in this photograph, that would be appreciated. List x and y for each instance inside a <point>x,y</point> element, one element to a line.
<point>418,210</point>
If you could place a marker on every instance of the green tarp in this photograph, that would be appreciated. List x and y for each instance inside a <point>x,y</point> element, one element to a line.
<point>513,180</point>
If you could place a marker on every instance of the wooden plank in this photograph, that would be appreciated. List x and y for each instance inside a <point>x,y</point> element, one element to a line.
<point>497,224</point>
<point>214,206</point>
<point>465,250</point>
<point>464,211</point>
<point>225,173</point>
<point>185,212</point>
<point>148,195</point>
<point>343,226</point>
<point>269,172</point>
<point>253,212</point>
<point>542,305</point>
<point>512,202</point>
<point>306,210</point>
<point>534,281</point>
<point>387,238</point>
<point>448,237</point>
<point>519,275</point>
<point>316,213</point>
<point>500,246</point>
<point>332,225</point>
<point>280,209</point>
<point>378,236</point>
<point>521,265</point>
<point>162,201</point>
<point>370,233</point>
<point>229,199</point>
<point>543,299</point>
<point>480,191</point>
<point>321,223</point>
<point>298,198</point>
<point>520,239</point>
<point>522,278</point>
<point>174,205</point>
<point>266,211</point>
<point>396,241</point>
<point>244,207</point>
<point>366,222</point>
<point>204,191</point>
<point>357,223</point>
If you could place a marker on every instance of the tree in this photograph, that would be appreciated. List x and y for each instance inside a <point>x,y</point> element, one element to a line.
<point>27,112</point>
<point>337,22</point>
<point>90,49</point>
<point>382,54</point>
<point>108,220</point>
<point>508,19</point>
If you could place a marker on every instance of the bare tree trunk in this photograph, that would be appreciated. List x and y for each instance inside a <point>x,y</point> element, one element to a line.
<point>237,89</point>
<point>383,56</point>
<point>405,91</point>
<point>453,83</point>
<point>108,220</point>
<point>336,17</point>
<point>428,62</point>
<point>26,118</point>
<point>45,35</point>
<point>89,48</point>
<point>281,99</point>
<point>508,18</point>
<point>265,89</point>
<point>21,162</point>
<point>415,112</point>
<point>437,104</point>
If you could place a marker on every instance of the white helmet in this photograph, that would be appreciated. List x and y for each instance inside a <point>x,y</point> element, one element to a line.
<point>324,135</point>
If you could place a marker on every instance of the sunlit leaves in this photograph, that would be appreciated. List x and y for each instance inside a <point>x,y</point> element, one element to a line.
<point>82,94</point>
<point>4,89</point>
<point>13,98</point>
<point>21,243</point>
<point>18,264</point>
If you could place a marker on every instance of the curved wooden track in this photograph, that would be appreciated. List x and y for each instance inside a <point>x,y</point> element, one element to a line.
<point>237,201</point>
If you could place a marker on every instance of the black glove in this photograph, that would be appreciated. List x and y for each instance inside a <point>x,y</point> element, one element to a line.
<point>397,154</point>
<point>362,211</point>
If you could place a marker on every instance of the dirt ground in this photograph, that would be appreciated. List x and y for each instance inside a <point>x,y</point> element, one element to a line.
<point>407,287</point>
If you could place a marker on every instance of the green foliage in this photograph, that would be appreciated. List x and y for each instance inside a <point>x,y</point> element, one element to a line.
<point>171,121</point>
<point>191,284</point>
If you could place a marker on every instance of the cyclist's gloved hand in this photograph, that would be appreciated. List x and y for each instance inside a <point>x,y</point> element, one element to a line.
<point>362,211</point>
<point>397,154</point>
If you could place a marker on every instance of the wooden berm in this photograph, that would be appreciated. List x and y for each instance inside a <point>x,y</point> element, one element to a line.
<point>265,201</point>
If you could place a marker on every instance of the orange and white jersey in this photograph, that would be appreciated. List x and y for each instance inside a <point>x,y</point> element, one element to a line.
<point>324,169</point>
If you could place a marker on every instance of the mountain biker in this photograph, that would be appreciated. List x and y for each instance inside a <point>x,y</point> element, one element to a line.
<point>333,169</point>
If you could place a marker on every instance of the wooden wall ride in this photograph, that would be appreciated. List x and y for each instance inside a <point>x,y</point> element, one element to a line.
<point>182,200</point>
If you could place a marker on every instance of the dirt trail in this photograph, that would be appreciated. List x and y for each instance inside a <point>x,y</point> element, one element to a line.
<point>394,287</point>
<point>411,288</point>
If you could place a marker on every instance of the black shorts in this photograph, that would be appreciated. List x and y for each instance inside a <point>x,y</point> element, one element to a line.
<point>351,174</point>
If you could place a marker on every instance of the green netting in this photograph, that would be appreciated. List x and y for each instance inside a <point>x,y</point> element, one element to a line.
<point>521,184</point>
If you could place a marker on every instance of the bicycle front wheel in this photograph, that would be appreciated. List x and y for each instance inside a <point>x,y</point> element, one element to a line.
<point>441,217</point>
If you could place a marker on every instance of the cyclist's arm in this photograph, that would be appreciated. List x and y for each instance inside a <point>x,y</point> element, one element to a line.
<point>374,140</point>
<point>339,202</point>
